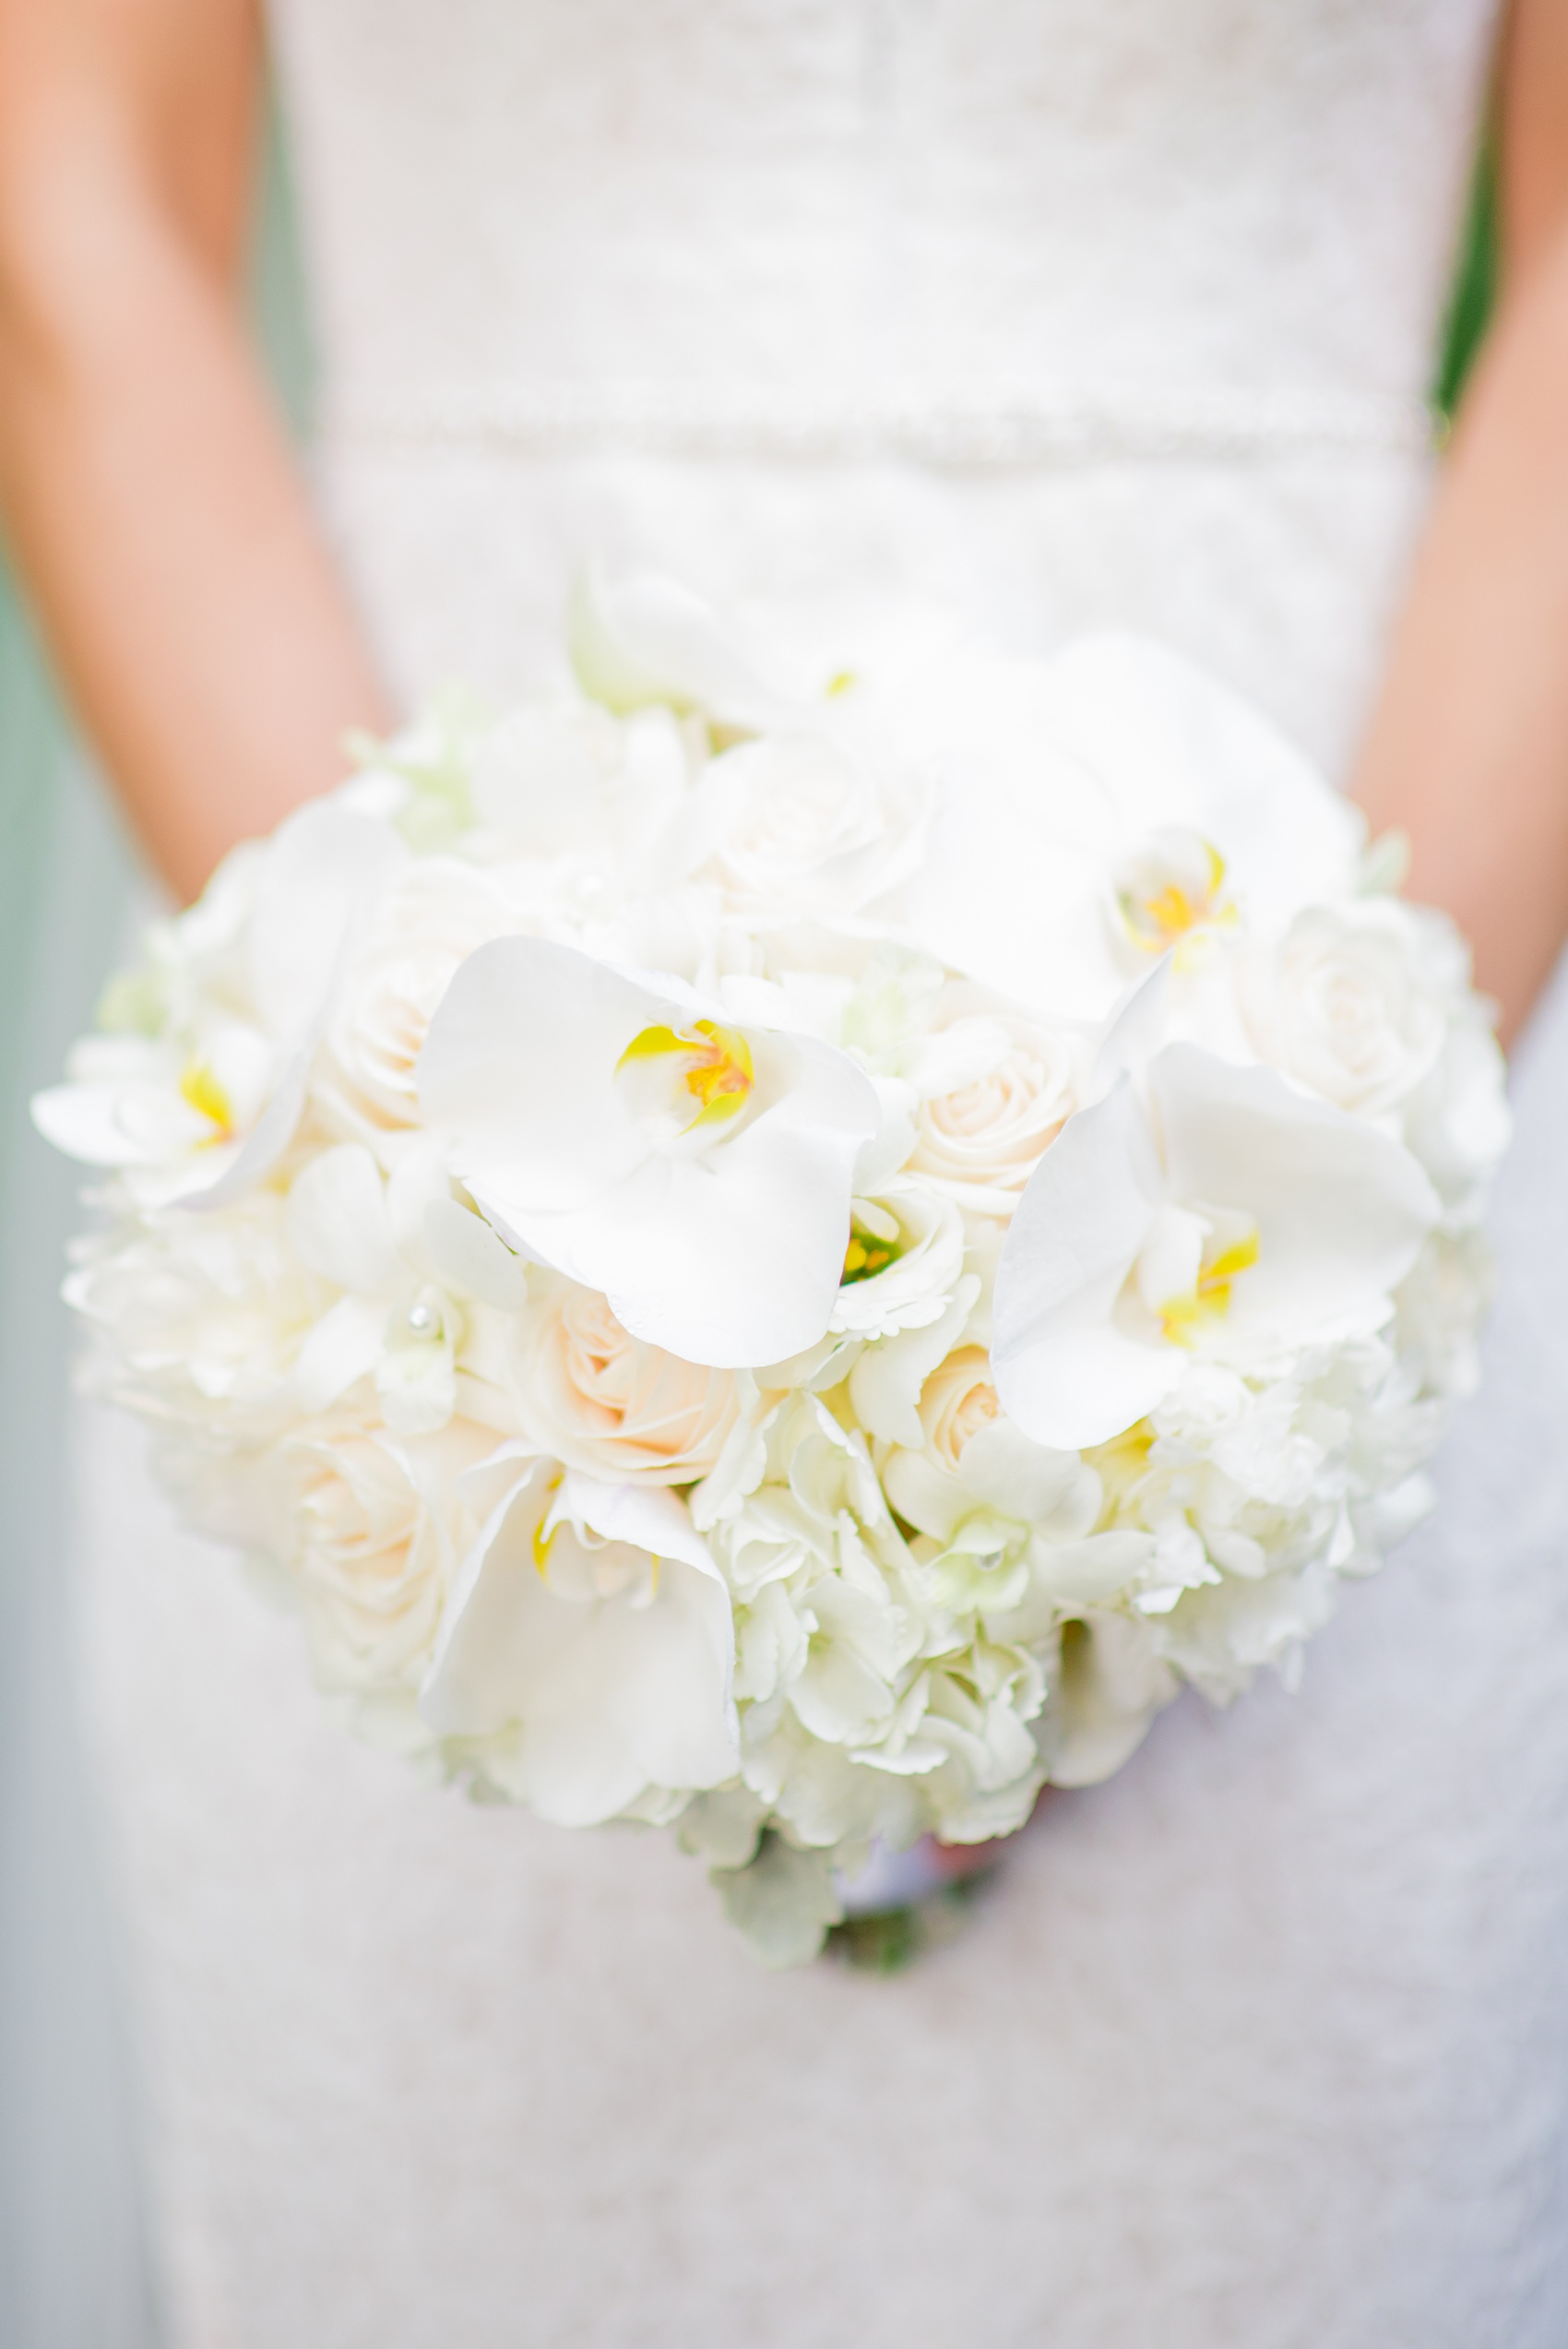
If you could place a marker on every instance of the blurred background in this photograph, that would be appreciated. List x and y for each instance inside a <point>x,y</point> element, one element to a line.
<point>74,2269</point>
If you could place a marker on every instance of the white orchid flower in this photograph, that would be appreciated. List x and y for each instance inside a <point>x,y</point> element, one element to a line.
<point>1211,1211</point>
<point>1106,807</point>
<point>203,1112</point>
<point>699,1174</point>
<point>317,875</point>
<point>589,1633</point>
<point>1355,1002</point>
<point>181,1109</point>
<point>316,879</point>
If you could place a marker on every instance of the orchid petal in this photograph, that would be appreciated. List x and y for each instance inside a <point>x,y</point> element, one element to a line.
<point>650,1517</point>
<point>470,1256</point>
<point>1065,1372</point>
<point>338,1223</point>
<point>729,1254</point>
<point>344,1347</point>
<point>1171,746</point>
<point>266,1142</point>
<point>1340,1207</point>
<point>89,1122</point>
<point>605,1699</point>
<point>520,1062</point>
<point>322,866</point>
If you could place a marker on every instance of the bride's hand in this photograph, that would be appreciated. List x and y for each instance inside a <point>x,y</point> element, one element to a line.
<point>151,504</point>
<point>1468,747</point>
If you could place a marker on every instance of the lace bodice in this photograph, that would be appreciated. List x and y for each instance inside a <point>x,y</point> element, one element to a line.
<point>824,208</point>
<point>1034,313</point>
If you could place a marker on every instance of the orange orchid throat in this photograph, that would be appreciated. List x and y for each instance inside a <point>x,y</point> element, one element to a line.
<point>716,1067</point>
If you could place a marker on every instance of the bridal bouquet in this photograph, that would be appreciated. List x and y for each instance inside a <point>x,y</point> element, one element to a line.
<point>791,1264</point>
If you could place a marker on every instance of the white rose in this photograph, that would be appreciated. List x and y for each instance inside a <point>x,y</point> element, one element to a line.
<point>997,1090</point>
<point>373,1544</point>
<point>798,821</point>
<point>609,1403</point>
<point>1353,1003</point>
<point>958,1401</point>
<point>428,925</point>
<point>540,777</point>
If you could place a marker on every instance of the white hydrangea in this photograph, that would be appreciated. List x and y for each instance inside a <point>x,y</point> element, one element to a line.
<point>745,1275</point>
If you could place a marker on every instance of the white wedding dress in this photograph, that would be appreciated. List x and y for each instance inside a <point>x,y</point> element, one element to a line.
<point>1028,315</point>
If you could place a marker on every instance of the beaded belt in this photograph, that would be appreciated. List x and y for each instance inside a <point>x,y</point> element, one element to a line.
<point>986,426</point>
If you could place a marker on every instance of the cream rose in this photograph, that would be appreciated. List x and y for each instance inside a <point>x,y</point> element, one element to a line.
<point>540,778</point>
<point>799,821</point>
<point>1353,1003</point>
<point>430,924</point>
<point>609,1403</point>
<point>997,1091</point>
<point>372,1549</point>
<point>955,1402</point>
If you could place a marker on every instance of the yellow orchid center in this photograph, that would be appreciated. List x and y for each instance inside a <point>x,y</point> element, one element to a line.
<point>203,1091</point>
<point>718,1072</point>
<point>1174,887</point>
<point>1183,1318</point>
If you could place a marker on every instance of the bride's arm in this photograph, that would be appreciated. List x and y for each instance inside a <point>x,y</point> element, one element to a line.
<point>1468,747</point>
<point>163,536</point>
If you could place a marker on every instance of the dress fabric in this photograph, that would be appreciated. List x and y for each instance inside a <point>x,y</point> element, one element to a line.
<point>1027,316</point>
